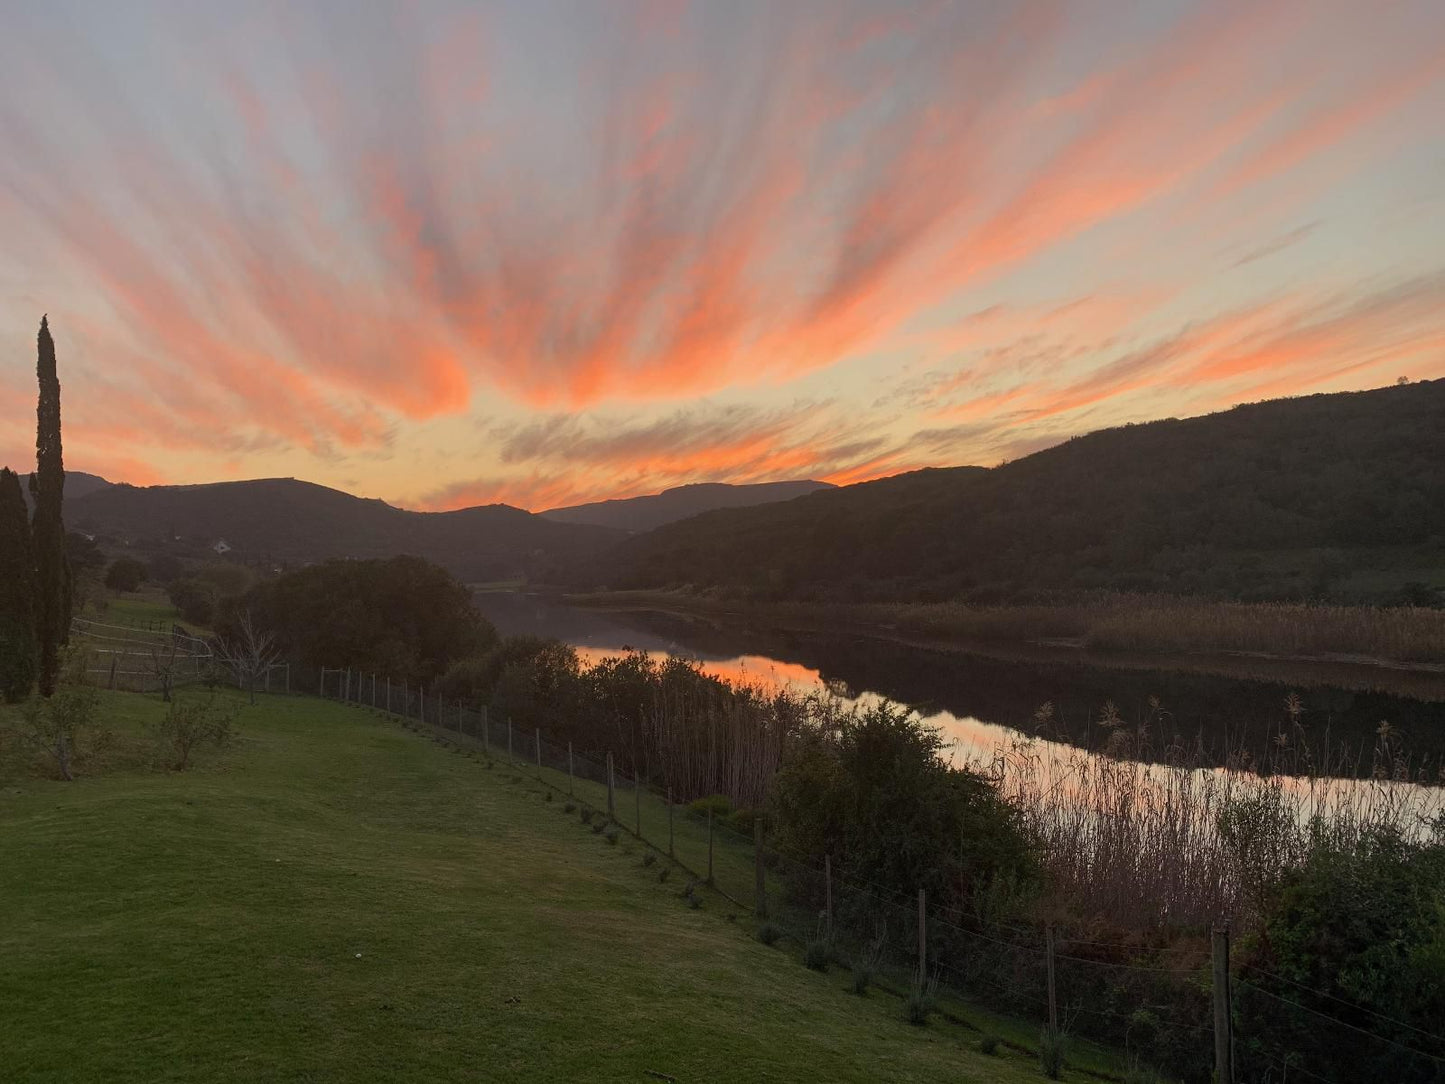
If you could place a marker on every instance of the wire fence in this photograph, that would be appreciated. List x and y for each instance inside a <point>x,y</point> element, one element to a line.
<point>1195,1018</point>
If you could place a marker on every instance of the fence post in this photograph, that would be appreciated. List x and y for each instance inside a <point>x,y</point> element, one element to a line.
<point>321,684</point>
<point>709,843</point>
<point>759,881</point>
<point>288,679</point>
<point>922,939</point>
<point>509,738</point>
<point>421,704</point>
<point>539,752</point>
<point>486,732</point>
<point>669,823</point>
<point>1223,1022</point>
<point>388,694</point>
<point>346,688</point>
<point>828,890</point>
<point>1053,995</point>
<point>611,806</point>
<point>637,802</point>
<point>571,782</point>
<point>112,671</point>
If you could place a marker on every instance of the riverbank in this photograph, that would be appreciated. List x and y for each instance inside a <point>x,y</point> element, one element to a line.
<point>1402,650</point>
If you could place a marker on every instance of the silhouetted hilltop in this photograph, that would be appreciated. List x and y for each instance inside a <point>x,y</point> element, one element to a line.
<point>645,513</point>
<point>1338,495</point>
<point>286,520</point>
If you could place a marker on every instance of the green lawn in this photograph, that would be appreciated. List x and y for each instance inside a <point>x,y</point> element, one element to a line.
<point>336,898</point>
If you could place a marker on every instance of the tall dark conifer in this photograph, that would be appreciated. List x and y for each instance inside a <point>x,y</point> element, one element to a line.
<point>18,655</point>
<point>47,486</point>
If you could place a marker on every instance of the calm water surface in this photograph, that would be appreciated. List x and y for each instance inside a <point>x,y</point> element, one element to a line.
<point>983,702</point>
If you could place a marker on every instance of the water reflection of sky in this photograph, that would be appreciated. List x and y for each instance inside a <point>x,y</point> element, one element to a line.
<point>598,634</point>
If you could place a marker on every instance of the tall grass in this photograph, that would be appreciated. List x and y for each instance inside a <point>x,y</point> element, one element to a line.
<point>1163,623</point>
<point>1175,843</point>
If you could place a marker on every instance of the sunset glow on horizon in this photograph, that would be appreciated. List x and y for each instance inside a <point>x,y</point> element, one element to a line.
<point>545,253</point>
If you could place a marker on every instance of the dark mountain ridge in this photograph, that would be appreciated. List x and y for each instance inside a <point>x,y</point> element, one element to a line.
<point>1291,498</point>
<point>286,520</point>
<point>646,513</point>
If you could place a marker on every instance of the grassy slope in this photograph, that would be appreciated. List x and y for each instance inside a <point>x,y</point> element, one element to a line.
<point>156,926</point>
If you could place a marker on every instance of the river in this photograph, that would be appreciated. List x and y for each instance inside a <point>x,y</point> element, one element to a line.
<point>984,702</point>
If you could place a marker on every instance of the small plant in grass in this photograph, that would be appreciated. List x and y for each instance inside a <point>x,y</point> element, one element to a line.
<point>988,1044</point>
<point>769,934</point>
<point>865,964</point>
<point>1053,1045</point>
<point>1139,1073</point>
<point>922,1001</point>
<point>570,807</point>
<point>818,951</point>
<point>611,836</point>
<point>547,797</point>
<point>648,859</point>
<point>586,815</point>
<point>690,896</point>
<point>816,954</point>
<point>193,721</point>
<point>597,827</point>
<point>663,874</point>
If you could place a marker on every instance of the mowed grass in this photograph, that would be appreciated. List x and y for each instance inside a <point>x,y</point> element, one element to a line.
<point>336,898</point>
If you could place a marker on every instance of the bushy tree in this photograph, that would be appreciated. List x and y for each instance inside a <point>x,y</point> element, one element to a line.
<point>125,574</point>
<point>401,616</point>
<point>195,599</point>
<point>872,788</point>
<point>1357,933</point>
<point>19,657</point>
<point>47,486</point>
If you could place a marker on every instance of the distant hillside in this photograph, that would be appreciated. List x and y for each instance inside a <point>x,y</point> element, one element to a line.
<point>282,519</point>
<point>77,484</point>
<point>1325,496</point>
<point>671,505</point>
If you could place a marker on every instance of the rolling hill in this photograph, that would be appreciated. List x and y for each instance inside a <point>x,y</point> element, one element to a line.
<point>645,513</point>
<point>1328,496</point>
<point>286,520</point>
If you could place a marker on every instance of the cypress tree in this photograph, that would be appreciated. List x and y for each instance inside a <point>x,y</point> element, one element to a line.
<point>18,654</point>
<point>47,529</point>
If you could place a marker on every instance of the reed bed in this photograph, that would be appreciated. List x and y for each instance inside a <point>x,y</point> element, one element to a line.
<point>1176,844</point>
<point>1166,624</point>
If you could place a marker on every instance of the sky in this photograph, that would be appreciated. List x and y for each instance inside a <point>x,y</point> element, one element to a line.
<point>541,253</point>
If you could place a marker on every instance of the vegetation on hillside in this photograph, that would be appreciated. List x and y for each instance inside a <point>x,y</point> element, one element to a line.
<point>1324,497</point>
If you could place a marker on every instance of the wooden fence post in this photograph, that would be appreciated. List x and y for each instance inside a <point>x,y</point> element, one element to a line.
<point>571,780</point>
<point>828,891</point>
<point>321,684</point>
<point>539,753</point>
<point>373,690</point>
<point>486,732</point>
<point>509,738</point>
<point>1223,1021</point>
<point>388,694</point>
<point>112,671</point>
<point>709,843</point>
<point>669,823</point>
<point>346,687</point>
<point>760,887</point>
<point>1053,992</point>
<point>637,802</point>
<point>421,704</point>
<point>611,806</point>
<point>922,940</point>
